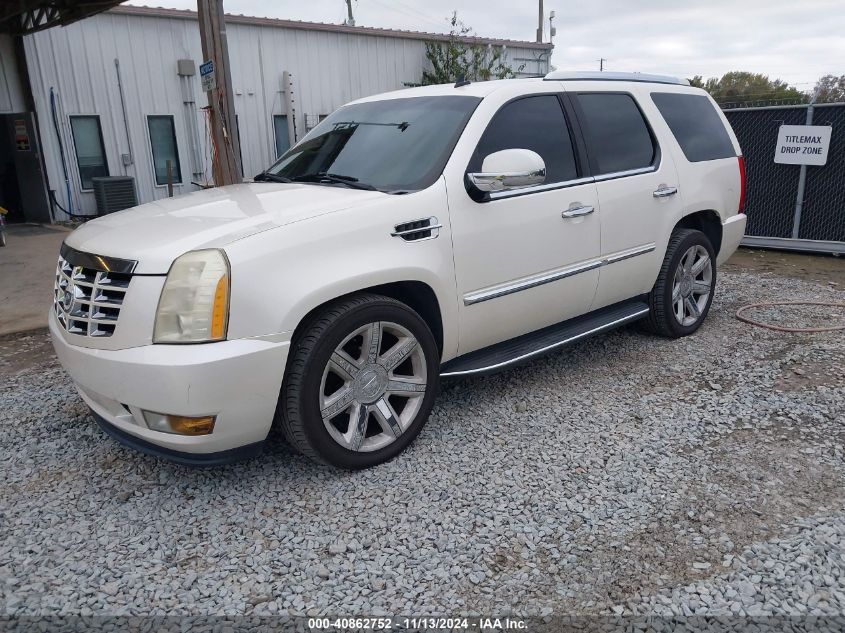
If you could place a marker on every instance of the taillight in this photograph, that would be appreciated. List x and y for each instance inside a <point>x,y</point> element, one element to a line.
<point>741,160</point>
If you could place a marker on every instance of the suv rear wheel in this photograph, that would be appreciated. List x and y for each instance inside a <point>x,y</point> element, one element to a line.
<point>361,382</point>
<point>681,297</point>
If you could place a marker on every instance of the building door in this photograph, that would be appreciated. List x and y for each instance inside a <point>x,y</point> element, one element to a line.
<point>23,188</point>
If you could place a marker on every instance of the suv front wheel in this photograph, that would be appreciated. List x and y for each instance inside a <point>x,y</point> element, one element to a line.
<point>361,382</point>
<point>681,297</point>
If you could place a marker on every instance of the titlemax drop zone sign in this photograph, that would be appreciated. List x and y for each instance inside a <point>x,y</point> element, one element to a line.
<point>803,144</point>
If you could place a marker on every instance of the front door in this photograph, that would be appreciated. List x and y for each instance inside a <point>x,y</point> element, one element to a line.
<point>523,258</point>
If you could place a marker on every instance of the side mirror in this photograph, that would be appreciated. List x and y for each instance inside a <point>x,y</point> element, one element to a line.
<point>509,169</point>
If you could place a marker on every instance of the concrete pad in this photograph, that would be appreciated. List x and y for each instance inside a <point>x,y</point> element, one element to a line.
<point>27,273</point>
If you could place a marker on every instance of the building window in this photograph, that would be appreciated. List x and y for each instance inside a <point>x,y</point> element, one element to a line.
<point>163,143</point>
<point>90,151</point>
<point>280,125</point>
<point>313,120</point>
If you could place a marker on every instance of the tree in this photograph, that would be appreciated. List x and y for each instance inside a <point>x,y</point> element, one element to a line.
<point>738,87</point>
<point>461,58</point>
<point>830,89</point>
<point>696,82</point>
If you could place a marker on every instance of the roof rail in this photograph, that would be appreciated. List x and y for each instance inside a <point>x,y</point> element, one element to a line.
<point>589,75</point>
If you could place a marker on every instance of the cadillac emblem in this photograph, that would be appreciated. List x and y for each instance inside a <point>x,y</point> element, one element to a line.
<point>67,294</point>
<point>67,297</point>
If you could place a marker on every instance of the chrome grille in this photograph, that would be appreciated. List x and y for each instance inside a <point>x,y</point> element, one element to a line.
<point>87,301</point>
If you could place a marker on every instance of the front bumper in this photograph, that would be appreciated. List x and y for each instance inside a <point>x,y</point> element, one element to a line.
<point>188,459</point>
<point>237,381</point>
<point>733,230</point>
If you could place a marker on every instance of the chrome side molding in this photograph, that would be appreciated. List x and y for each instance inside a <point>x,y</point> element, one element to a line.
<point>526,283</point>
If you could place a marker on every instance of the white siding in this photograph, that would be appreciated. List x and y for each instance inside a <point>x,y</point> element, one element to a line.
<point>11,89</point>
<point>327,68</point>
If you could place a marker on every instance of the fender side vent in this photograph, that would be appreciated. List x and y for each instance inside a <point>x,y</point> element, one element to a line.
<point>418,230</point>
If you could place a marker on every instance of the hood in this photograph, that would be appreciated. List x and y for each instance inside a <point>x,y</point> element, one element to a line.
<point>156,233</point>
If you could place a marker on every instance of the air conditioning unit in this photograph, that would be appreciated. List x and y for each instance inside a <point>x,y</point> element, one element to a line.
<point>114,193</point>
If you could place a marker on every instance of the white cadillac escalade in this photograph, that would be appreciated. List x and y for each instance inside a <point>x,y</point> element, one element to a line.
<point>434,232</point>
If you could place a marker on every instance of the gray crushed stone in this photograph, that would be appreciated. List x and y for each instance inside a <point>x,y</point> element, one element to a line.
<point>629,474</point>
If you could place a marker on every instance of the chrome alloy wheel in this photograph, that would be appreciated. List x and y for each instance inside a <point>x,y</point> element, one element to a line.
<point>691,286</point>
<point>373,386</point>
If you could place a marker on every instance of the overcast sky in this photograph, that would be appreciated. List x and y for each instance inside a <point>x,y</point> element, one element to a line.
<point>795,40</point>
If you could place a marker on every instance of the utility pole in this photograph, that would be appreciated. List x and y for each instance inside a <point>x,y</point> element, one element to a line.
<point>226,166</point>
<point>601,61</point>
<point>540,23</point>
<point>350,20</point>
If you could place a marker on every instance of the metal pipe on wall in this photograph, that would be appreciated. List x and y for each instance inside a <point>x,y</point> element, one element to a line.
<point>190,111</point>
<point>127,159</point>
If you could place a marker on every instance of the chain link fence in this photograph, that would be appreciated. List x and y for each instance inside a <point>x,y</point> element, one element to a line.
<point>772,189</point>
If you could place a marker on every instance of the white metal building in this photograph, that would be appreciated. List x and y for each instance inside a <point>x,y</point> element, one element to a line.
<point>125,103</point>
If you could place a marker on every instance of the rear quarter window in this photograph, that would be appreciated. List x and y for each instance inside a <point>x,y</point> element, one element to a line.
<point>696,125</point>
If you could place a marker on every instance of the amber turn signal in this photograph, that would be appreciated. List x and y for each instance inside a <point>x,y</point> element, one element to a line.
<point>191,426</point>
<point>180,424</point>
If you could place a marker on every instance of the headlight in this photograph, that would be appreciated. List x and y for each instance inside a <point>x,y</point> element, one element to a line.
<point>194,304</point>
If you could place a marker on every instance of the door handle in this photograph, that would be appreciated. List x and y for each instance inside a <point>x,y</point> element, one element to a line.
<point>577,212</point>
<point>664,192</point>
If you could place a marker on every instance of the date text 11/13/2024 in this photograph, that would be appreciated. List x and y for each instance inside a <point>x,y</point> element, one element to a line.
<point>418,624</point>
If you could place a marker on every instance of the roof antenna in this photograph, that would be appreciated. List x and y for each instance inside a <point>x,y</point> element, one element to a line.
<point>462,81</point>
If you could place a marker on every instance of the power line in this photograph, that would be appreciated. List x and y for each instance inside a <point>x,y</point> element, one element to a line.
<point>398,7</point>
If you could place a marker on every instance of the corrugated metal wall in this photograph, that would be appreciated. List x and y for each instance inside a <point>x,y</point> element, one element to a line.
<point>327,68</point>
<point>11,91</point>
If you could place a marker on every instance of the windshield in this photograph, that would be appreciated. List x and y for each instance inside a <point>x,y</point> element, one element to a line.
<point>393,145</point>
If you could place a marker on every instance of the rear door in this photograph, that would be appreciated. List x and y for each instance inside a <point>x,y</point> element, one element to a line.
<point>637,187</point>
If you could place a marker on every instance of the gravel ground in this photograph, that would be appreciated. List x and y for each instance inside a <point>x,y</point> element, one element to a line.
<point>629,474</point>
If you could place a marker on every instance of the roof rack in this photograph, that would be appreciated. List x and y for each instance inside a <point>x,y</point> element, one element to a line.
<point>567,75</point>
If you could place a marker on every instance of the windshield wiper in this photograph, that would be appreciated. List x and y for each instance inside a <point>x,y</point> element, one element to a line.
<point>349,181</point>
<point>265,176</point>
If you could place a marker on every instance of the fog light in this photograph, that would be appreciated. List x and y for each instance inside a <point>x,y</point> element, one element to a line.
<point>179,424</point>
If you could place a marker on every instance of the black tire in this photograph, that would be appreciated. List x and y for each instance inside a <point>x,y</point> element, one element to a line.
<point>661,318</point>
<point>298,413</point>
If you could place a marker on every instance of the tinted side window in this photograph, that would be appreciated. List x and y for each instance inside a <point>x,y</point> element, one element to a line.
<point>618,138</point>
<point>535,123</point>
<point>696,124</point>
